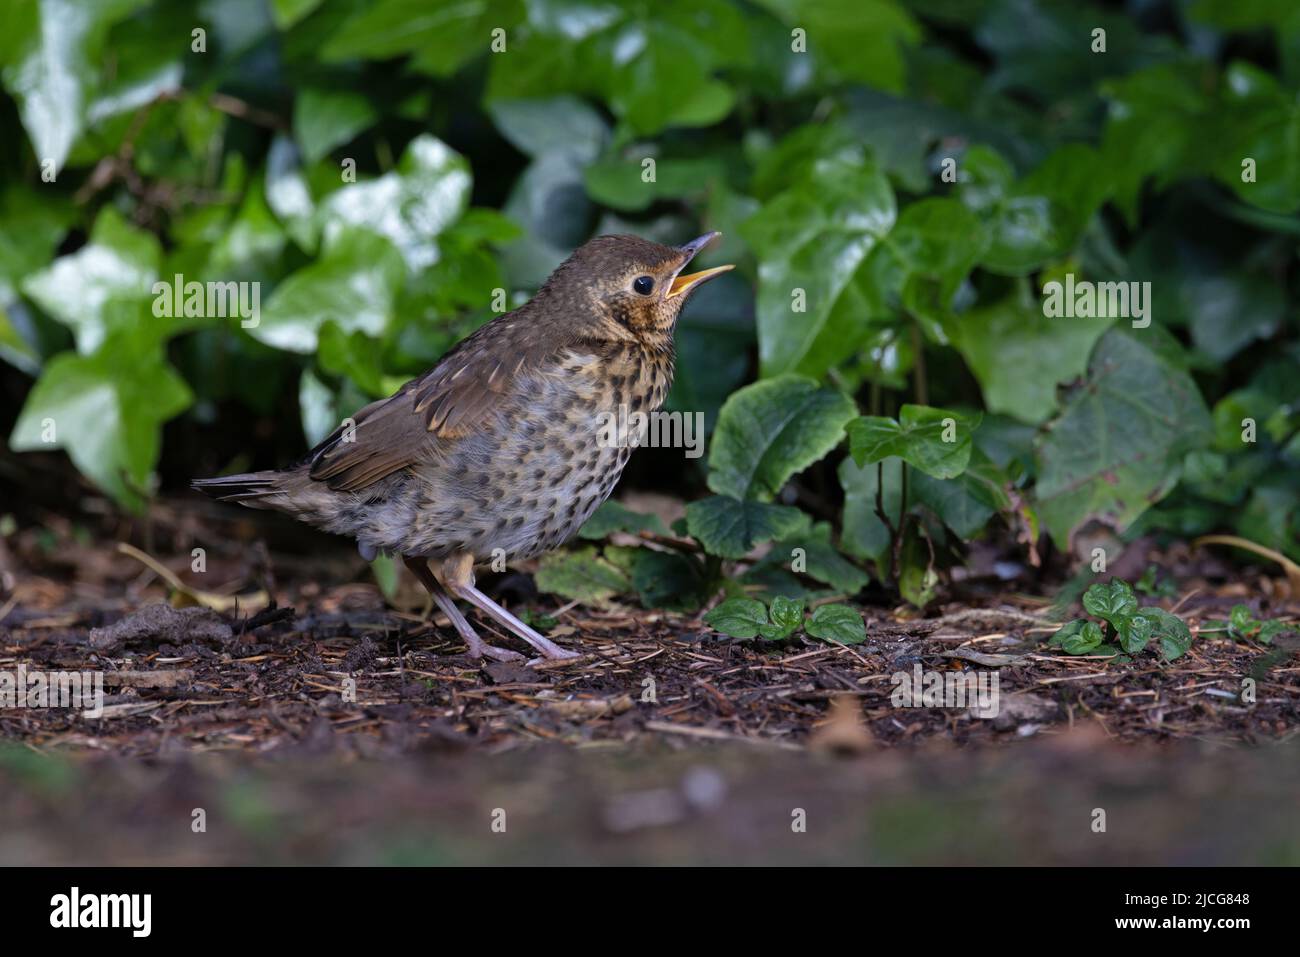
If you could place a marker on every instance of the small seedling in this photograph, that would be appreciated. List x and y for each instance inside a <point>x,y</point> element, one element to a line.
<point>1124,626</point>
<point>750,618</point>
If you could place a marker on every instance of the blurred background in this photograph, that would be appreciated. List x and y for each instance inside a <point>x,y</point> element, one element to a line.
<point>920,169</point>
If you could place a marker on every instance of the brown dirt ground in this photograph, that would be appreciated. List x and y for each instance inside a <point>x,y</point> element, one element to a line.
<point>248,715</point>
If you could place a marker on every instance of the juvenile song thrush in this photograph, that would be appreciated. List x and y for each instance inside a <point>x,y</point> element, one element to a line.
<point>496,452</point>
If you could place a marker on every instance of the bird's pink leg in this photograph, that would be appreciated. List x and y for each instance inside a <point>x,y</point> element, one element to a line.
<point>458,577</point>
<point>477,646</point>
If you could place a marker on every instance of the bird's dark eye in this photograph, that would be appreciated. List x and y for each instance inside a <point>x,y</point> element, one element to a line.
<point>643,284</point>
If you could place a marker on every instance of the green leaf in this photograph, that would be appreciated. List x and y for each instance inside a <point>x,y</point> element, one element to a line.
<point>864,535</point>
<point>1174,635</point>
<point>15,349</point>
<point>1118,444</point>
<point>860,40</point>
<point>355,355</point>
<point>738,617</point>
<point>840,624</point>
<point>384,568</point>
<point>49,62</point>
<point>613,517</point>
<point>558,125</point>
<point>286,13</point>
<point>1133,632</point>
<point>658,77</point>
<point>1259,119</point>
<point>1241,623</point>
<point>668,580</point>
<point>730,528</point>
<point>106,410</point>
<point>917,579</point>
<point>1154,127</point>
<point>31,225</point>
<point>324,119</point>
<point>581,575</point>
<point>811,241</point>
<point>919,265</point>
<point>819,559</point>
<point>119,264</point>
<point>771,430</point>
<point>354,284</point>
<point>1020,355</point>
<point>317,408</point>
<point>1038,219</point>
<point>1113,601</point>
<point>618,183</point>
<point>1078,637</point>
<point>787,616</point>
<point>936,441</point>
<point>443,36</point>
<point>409,206</point>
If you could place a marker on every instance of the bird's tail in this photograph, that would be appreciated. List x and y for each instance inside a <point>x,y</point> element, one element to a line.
<point>254,489</point>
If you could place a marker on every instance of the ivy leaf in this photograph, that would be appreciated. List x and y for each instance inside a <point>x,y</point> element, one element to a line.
<point>936,441</point>
<point>324,119</point>
<point>50,60</point>
<point>558,125</point>
<point>771,430</point>
<point>354,284</point>
<point>811,241</point>
<point>1019,355</point>
<point>410,205</point>
<point>355,355</point>
<point>119,264</point>
<point>730,528</point>
<point>581,575</point>
<point>667,580</point>
<point>819,560</point>
<point>1259,119</point>
<point>1155,126</point>
<point>839,624</point>
<point>443,36</point>
<point>738,617</point>
<point>618,183</point>
<point>106,410</point>
<point>861,40</point>
<point>1078,637</point>
<point>1118,443</point>
<point>864,535</point>
<point>614,517</point>
<point>922,261</point>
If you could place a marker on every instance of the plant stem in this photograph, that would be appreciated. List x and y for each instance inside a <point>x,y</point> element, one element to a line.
<point>918,366</point>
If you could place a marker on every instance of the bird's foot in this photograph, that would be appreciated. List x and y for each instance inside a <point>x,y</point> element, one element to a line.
<point>560,654</point>
<point>484,650</point>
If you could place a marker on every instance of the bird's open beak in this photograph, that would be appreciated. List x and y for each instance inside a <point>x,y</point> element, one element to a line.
<point>684,284</point>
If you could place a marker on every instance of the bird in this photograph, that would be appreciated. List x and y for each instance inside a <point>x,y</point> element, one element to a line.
<point>496,452</point>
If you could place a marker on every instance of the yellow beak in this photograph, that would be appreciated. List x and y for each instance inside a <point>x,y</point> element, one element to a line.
<point>683,284</point>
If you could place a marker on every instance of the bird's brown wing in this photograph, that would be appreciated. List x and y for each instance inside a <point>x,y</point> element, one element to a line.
<point>444,404</point>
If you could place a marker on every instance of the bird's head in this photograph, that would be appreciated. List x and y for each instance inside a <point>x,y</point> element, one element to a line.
<point>632,287</point>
